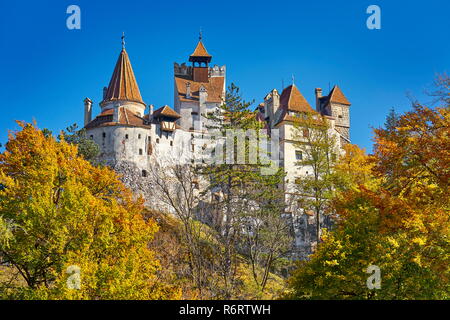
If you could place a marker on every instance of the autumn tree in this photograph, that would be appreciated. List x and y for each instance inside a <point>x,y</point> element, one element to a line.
<point>244,205</point>
<point>393,209</point>
<point>177,187</point>
<point>71,230</point>
<point>318,149</point>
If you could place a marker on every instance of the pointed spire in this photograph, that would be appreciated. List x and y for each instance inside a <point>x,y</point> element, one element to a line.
<point>200,53</point>
<point>123,85</point>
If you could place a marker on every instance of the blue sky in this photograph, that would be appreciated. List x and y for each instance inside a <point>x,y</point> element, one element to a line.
<point>47,70</point>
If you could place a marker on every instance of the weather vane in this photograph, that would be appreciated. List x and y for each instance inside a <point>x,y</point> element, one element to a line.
<point>293,79</point>
<point>123,40</point>
<point>200,36</point>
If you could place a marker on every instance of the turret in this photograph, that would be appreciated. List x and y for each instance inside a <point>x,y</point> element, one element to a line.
<point>123,89</point>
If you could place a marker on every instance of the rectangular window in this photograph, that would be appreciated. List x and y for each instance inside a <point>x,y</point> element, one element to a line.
<point>298,155</point>
<point>140,152</point>
<point>305,133</point>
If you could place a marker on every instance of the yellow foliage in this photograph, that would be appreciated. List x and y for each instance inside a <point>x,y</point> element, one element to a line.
<point>67,214</point>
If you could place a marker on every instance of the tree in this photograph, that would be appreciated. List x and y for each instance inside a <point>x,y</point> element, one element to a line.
<point>266,237</point>
<point>391,120</point>
<point>87,148</point>
<point>62,218</point>
<point>177,187</point>
<point>317,145</point>
<point>248,203</point>
<point>393,213</point>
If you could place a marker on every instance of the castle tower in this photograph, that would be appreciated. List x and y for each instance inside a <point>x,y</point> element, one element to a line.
<point>123,89</point>
<point>199,89</point>
<point>337,106</point>
<point>121,129</point>
<point>200,59</point>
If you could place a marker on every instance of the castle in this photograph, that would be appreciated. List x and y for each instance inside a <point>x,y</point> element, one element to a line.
<point>129,133</point>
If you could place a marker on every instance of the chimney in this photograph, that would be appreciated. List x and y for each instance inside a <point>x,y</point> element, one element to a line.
<point>116,114</point>
<point>318,96</point>
<point>203,95</point>
<point>105,91</point>
<point>87,111</point>
<point>275,104</point>
<point>188,90</point>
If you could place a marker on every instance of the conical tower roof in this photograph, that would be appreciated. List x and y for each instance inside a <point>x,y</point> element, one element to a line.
<point>123,85</point>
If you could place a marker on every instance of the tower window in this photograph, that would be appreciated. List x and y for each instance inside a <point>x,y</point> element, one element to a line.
<point>305,133</point>
<point>144,173</point>
<point>104,135</point>
<point>126,136</point>
<point>140,152</point>
<point>92,137</point>
<point>139,136</point>
<point>298,155</point>
<point>171,143</point>
<point>157,140</point>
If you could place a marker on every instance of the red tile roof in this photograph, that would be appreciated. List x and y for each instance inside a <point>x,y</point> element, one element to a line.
<point>123,85</point>
<point>200,51</point>
<point>167,112</point>
<point>292,100</point>
<point>337,96</point>
<point>215,88</point>
<point>126,117</point>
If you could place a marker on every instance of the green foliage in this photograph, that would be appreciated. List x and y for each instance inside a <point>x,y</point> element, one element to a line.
<point>87,148</point>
